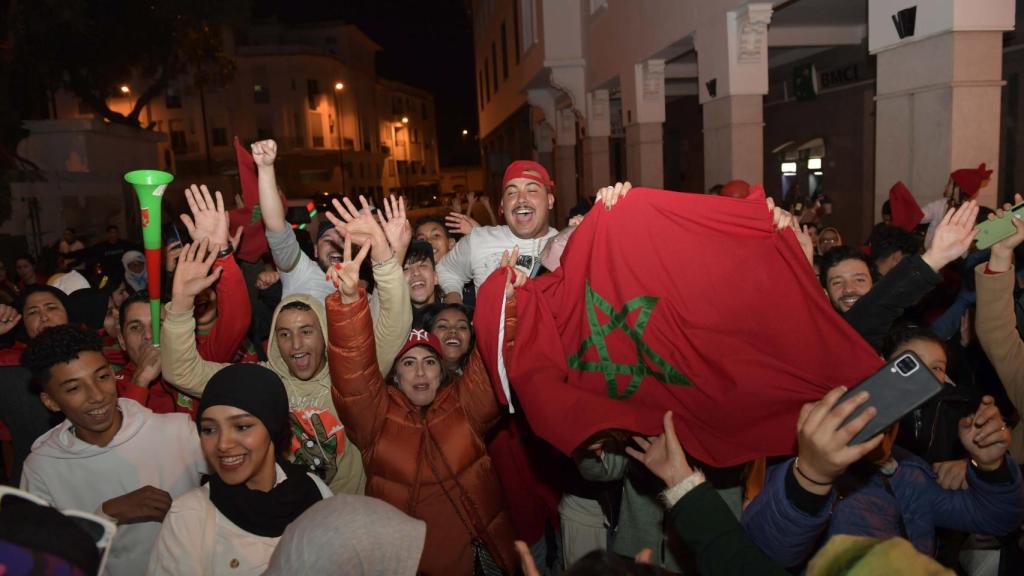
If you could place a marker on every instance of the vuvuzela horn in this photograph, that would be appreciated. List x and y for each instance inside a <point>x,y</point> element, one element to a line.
<point>149,187</point>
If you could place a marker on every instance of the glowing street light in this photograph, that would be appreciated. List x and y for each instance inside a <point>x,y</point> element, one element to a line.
<point>465,132</point>
<point>405,119</point>
<point>339,86</point>
<point>125,89</point>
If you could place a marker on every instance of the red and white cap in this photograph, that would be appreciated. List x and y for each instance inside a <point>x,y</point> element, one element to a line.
<point>527,169</point>
<point>420,337</point>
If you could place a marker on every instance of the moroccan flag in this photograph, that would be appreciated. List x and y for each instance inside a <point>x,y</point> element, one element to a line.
<point>674,301</point>
<point>254,237</point>
<point>906,213</point>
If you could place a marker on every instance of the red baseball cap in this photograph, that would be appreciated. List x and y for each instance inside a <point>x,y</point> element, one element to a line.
<point>420,337</point>
<point>527,169</point>
<point>970,180</point>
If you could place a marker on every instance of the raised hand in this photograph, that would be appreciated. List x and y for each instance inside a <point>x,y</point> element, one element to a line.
<point>345,274</point>
<point>953,236</point>
<point>264,152</point>
<point>148,368</point>
<point>576,220</point>
<point>147,504</point>
<point>396,225</point>
<point>610,195</point>
<point>210,220</point>
<point>663,455</point>
<point>361,226</point>
<point>985,435</point>
<point>1002,251</point>
<point>193,275</point>
<point>824,451</point>
<point>460,223</point>
<point>514,277</point>
<point>9,318</point>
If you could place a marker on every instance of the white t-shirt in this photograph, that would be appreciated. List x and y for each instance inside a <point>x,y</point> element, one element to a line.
<point>478,254</point>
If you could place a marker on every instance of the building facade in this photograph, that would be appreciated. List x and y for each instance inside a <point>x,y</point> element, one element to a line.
<point>340,128</point>
<point>809,97</point>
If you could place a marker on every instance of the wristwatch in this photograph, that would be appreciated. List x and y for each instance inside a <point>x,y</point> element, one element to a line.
<point>226,252</point>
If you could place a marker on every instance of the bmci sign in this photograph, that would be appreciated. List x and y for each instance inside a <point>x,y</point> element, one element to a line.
<point>839,76</point>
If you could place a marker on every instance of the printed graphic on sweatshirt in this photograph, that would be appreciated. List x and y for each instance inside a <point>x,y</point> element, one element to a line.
<point>528,264</point>
<point>318,438</point>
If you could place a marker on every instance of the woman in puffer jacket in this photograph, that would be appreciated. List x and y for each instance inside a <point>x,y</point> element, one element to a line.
<point>421,431</point>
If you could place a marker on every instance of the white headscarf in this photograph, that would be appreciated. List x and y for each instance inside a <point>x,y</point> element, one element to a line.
<point>136,280</point>
<point>369,537</point>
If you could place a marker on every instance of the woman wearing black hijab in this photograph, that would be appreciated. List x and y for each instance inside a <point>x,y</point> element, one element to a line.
<point>232,524</point>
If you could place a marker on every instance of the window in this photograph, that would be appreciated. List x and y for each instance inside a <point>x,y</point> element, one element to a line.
<point>480,87</point>
<point>220,136</point>
<point>504,53</point>
<point>487,80</point>
<point>528,23</point>
<point>179,141</point>
<point>494,58</point>
<point>260,94</point>
<point>515,29</point>
<point>173,98</point>
<point>396,105</point>
<point>316,128</point>
<point>300,130</point>
<point>399,136</point>
<point>313,93</point>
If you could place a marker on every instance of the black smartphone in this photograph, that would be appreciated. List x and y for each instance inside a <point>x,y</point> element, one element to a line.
<point>896,388</point>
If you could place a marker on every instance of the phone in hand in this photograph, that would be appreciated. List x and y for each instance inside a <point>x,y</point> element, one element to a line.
<point>896,389</point>
<point>992,231</point>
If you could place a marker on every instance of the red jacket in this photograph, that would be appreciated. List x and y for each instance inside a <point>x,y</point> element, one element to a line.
<point>234,313</point>
<point>423,462</point>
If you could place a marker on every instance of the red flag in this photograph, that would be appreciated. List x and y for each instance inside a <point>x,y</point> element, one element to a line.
<point>254,238</point>
<point>675,301</point>
<point>906,213</point>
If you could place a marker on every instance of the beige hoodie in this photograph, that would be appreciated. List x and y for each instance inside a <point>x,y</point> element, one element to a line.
<point>187,371</point>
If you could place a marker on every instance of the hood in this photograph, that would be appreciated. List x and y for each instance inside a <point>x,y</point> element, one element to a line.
<point>61,442</point>
<point>299,388</point>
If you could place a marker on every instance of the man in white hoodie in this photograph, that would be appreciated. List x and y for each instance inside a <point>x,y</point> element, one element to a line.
<point>526,202</point>
<point>111,456</point>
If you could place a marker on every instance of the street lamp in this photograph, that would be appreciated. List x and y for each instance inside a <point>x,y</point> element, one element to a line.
<point>339,111</point>
<point>405,119</point>
<point>125,89</point>
<point>465,132</point>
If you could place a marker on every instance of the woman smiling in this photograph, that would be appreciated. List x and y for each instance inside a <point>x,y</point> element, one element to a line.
<point>232,524</point>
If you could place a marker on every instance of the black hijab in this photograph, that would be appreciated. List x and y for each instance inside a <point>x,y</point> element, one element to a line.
<point>260,392</point>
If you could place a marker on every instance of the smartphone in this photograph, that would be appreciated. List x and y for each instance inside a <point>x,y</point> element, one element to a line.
<point>992,231</point>
<point>896,389</point>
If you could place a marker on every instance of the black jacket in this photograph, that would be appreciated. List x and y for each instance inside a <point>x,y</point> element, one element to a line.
<point>904,286</point>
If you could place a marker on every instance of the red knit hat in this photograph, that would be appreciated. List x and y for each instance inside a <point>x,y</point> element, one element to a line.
<point>420,337</point>
<point>527,169</point>
<point>970,180</point>
<point>736,189</point>
<point>906,213</point>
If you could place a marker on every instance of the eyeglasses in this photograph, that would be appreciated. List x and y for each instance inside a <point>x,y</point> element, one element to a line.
<point>100,530</point>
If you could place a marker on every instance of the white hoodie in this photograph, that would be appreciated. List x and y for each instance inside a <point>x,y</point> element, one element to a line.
<point>159,450</point>
<point>477,255</point>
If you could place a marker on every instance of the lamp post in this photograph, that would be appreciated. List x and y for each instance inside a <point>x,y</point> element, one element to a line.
<point>339,112</point>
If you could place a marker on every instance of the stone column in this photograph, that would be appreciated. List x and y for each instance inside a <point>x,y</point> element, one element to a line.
<point>938,93</point>
<point>597,168</point>
<point>733,140</point>
<point>565,176</point>
<point>643,100</point>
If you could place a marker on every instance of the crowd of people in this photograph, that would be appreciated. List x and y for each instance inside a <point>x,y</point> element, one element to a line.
<point>330,410</point>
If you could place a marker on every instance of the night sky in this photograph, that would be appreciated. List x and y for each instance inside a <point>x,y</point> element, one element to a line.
<point>427,44</point>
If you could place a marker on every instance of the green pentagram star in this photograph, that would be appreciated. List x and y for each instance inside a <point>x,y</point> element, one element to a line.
<point>661,370</point>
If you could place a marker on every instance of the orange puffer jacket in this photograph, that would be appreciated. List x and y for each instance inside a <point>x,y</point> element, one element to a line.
<point>432,463</point>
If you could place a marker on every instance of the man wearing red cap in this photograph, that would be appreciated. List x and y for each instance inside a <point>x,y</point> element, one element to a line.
<point>526,201</point>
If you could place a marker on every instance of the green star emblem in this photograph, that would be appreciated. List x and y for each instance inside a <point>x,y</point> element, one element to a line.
<point>648,362</point>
